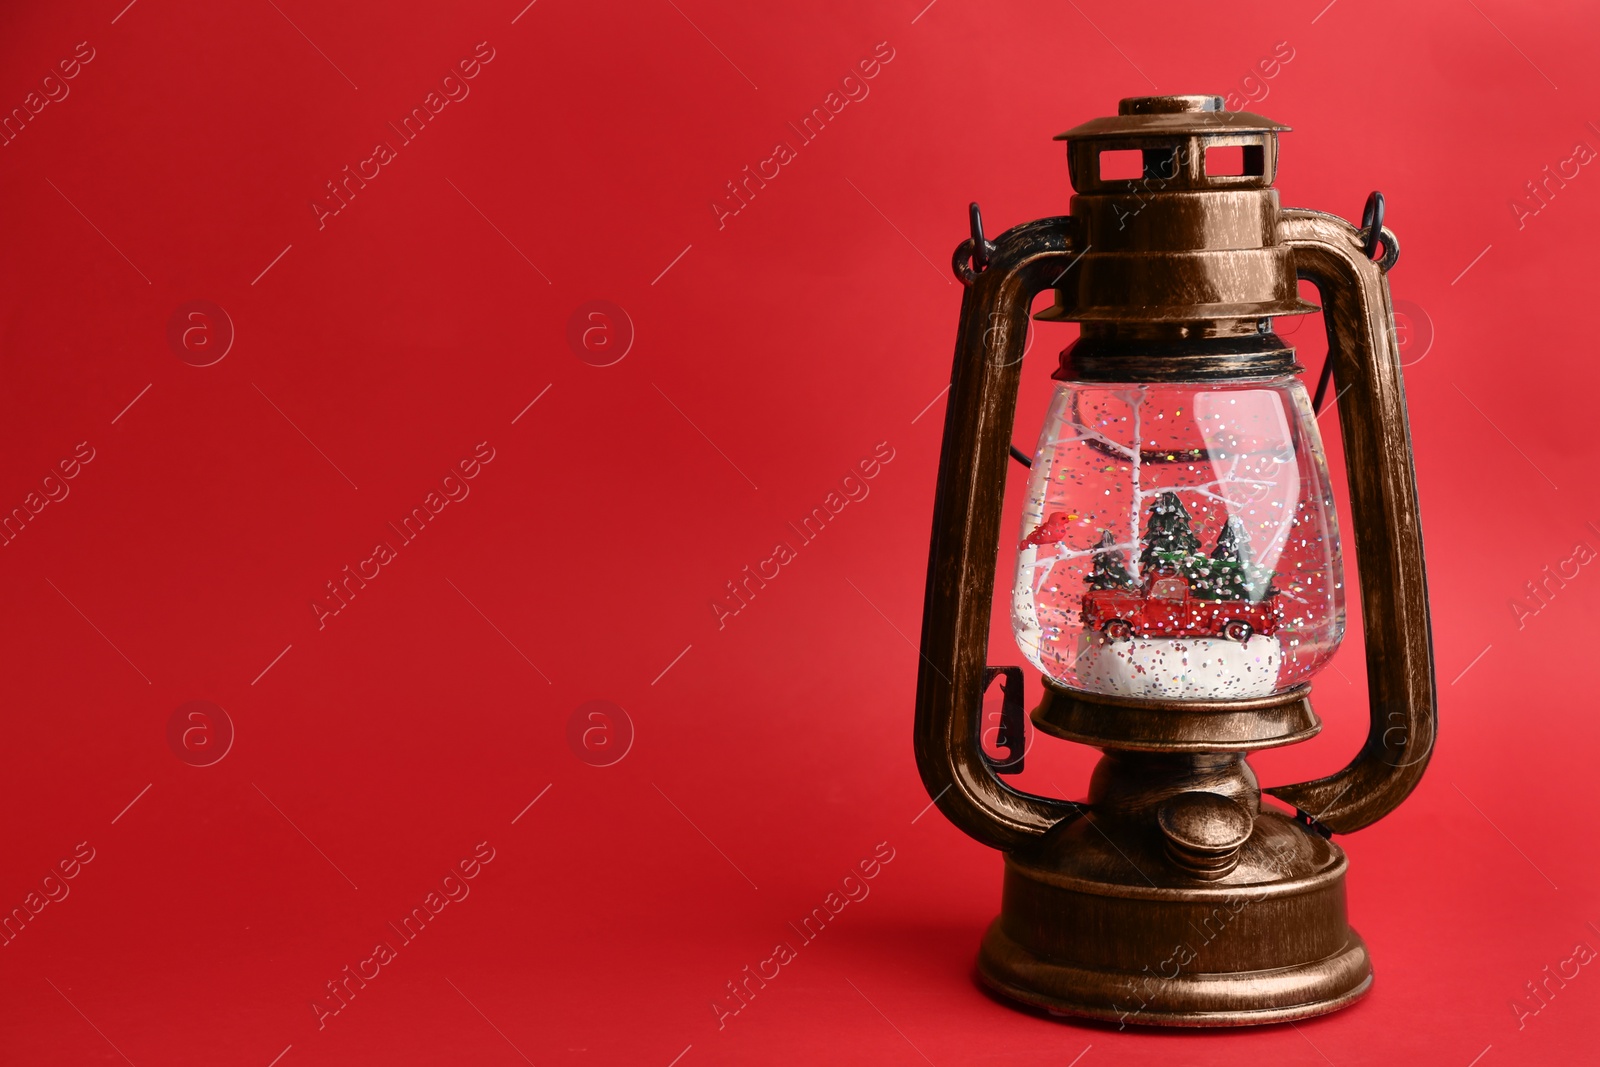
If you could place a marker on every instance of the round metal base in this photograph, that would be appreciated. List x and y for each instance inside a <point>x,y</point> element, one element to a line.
<point>1115,931</point>
<point>1246,998</point>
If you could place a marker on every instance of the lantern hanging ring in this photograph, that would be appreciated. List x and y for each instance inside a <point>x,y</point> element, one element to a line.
<point>1373,232</point>
<point>972,256</point>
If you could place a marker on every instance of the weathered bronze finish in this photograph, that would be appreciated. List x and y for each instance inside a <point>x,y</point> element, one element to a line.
<point>1171,896</point>
<point>1177,725</point>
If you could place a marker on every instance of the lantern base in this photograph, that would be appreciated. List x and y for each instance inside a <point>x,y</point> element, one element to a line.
<point>1111,931</point>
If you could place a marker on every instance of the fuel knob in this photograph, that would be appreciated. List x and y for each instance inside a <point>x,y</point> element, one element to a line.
<point>1204,832</point>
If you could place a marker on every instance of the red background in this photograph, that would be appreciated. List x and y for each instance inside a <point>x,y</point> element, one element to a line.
<point>770,356</point>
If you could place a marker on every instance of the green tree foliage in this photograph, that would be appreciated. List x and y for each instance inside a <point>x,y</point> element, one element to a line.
<point>1110,566</point>
<point>1228,573</point>
<point>1168,534</point>
<point>1229,560</point>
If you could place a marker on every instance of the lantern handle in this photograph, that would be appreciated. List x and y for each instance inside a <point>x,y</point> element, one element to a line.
<point>979,412</point>
<point>1402,693</point>
<point>1373,233</point>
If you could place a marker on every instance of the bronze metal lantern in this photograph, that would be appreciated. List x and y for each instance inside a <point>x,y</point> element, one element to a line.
<point>1178,580</point>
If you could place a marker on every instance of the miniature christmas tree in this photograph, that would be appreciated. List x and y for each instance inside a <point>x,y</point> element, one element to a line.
<point>1229,561</point>
<point>1110,566</point>
<point>1169,539</point>
<point>1237,575</point>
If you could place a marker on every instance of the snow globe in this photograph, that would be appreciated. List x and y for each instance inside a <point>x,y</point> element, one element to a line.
<point>1179,541</point>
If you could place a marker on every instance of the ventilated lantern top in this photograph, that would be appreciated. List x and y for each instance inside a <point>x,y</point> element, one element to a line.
<point>1189,237</point>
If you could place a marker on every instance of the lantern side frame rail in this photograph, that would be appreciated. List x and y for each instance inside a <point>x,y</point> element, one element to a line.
<point>1402,691</point>
<point>979,413</point>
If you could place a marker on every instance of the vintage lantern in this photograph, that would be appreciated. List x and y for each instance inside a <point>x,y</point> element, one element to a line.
<point>1178,580</point>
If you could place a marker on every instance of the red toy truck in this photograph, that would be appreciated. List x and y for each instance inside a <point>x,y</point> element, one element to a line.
<point>1164,608</point>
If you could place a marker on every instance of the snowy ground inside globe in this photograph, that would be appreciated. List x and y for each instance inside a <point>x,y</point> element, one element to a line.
<point>1204,668</point>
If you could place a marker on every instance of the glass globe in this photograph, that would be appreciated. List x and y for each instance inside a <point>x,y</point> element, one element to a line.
<point>1179,541</point>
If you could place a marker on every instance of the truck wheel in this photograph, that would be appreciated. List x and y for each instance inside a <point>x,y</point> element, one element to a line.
<point>1118,630</point>
<point>1237,630</point>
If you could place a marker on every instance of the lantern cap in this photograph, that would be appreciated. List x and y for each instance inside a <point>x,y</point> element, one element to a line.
<point>1178,224</point>
<point>1144,116</point>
